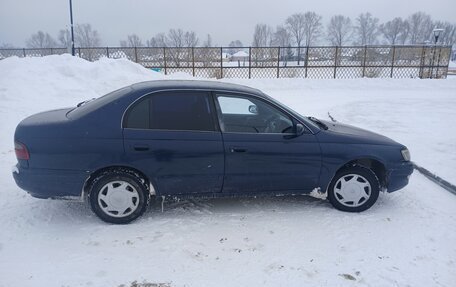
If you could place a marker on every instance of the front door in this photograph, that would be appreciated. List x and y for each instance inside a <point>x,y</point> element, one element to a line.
<point>174,139</point>
<point>262,151</point>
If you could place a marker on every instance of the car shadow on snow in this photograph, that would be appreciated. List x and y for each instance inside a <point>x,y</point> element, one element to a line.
<point>56,212</point>
<point>233,206</point>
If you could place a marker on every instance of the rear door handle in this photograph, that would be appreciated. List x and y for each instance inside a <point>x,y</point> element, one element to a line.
<point>141,148</point>
<point>238,149</point>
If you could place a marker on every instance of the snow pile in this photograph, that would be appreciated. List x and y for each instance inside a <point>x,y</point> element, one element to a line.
<point>31,85</point>
<point>37,76</point>
<point>406,239</point>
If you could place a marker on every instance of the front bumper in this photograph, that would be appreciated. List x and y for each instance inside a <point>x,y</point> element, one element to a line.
<point>398,176</point>
<point>50,183</point>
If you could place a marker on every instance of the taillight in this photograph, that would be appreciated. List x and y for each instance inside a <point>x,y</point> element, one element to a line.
<point>21,151</point>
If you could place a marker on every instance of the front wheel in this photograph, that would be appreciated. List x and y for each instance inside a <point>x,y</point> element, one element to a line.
<point>354,189</point>
<point>118,197</point>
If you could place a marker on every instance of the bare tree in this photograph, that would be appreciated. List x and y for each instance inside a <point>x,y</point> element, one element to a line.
<point>85,36</point>
<point>420,27</point>
<point>7,46</point>
<point>405,33</point>
<point>312,27</point>
<point>179,39</point>
<point>295,25</point>
<point>175,38</point>
<point>133,40</point>
<point>262,36</point>
<point>41,40</point>
<point>64,38</point>
<point>190,39</point>
<point>158,40</point>
<point>281,37</point>
<point>304,29</point>
<point>339,30</point>
<point>394,31</point>
<point>208,41</point>
<point>367,29</point>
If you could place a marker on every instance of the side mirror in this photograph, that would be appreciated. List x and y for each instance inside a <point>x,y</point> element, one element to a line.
<point>253,109</point>
<point>300,129</point>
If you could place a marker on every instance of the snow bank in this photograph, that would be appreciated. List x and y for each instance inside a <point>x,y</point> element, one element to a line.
<point>46,76</point>
<point>30,85</point>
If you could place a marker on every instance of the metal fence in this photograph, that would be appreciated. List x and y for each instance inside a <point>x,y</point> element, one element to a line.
<point>275,62</point>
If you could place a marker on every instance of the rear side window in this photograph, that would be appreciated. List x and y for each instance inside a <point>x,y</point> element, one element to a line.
<point>172,111</point>
<point>138,115</point>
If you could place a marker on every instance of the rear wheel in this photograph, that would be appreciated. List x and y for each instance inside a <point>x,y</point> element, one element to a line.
<point>354,189</point>
<point>118,197</point>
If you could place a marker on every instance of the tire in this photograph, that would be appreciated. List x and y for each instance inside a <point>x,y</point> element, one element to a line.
<point>354,189</point>
<point>118,196</point>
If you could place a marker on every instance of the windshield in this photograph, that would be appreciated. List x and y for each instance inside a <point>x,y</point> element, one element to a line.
<point>88,106</point>
<point>293,112</point>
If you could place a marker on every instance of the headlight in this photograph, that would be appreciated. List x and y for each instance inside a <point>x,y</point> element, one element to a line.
<point>405,154</point>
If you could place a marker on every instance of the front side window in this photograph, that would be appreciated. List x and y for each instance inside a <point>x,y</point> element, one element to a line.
<point>248,115</point>
<point>172,111</point>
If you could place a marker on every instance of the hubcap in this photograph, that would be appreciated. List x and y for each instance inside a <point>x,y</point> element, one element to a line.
<point>118,198</point>
<point>352,190</point>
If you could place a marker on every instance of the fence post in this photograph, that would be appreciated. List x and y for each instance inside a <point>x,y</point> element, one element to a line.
<point>278,62</point>
<point>423,55</point>
<point>335,61</point>
<point>23,51</point>
<point>164,58</point>
<point>193,61</point>
<point>433,59</point>
<point>136,55</point>
<point>438,63</point>
<point>392,61</point>
<point>107,52</point>
<point>51,51</point>
<point>364,60</point>
<point>250,62</point>
<point>79,52</point>
<point>306,61</point>
<point>221,62</point>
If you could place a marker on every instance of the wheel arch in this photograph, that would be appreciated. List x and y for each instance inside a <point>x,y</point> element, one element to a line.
<point>371,163</point>
<point>136,172</point>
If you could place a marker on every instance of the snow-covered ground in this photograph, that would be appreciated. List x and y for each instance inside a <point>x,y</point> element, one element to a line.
<point>407,239</point>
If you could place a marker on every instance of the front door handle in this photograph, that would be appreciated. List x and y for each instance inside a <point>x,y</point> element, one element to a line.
<point>141,148</point>
<point>237,149</point>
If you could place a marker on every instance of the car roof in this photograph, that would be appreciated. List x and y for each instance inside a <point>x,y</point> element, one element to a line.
<point>150,86</point>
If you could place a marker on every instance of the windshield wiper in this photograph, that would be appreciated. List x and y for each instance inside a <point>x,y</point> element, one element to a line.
<point>318,122</point>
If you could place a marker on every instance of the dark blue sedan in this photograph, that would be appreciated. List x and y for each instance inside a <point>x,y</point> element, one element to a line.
<point>199,139</point>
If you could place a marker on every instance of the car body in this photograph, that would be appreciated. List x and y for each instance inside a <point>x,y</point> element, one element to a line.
<point>198,139</point>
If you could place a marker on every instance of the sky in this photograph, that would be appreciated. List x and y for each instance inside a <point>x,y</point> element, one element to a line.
<point>223,20</point>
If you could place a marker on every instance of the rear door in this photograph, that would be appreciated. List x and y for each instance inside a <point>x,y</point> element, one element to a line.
<point>262,151</point>
<point>173,137</point>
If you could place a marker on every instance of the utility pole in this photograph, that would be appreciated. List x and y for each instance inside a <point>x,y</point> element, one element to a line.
<point>72,32</point>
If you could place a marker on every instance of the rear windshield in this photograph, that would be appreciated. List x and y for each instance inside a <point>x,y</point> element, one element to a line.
<point>95,104</point>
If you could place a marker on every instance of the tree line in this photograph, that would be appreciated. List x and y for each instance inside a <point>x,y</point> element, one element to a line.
<point>307,29</point>
<point>299,29</point>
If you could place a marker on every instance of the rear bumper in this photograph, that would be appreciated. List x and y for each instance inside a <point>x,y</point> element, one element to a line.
<point>50,183</point>
<point>398,176</point>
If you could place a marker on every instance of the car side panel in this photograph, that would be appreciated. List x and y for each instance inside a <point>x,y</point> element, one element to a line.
<point>177,162</point>
<point>271,162</point>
